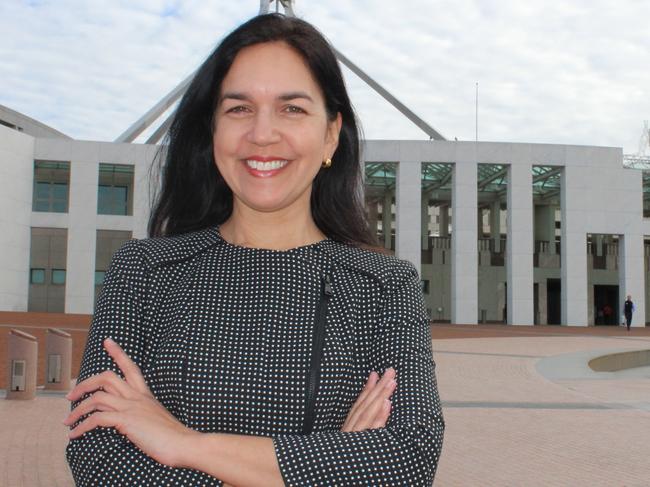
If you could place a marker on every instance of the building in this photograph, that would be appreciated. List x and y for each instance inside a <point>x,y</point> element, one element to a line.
<point>500,232</point>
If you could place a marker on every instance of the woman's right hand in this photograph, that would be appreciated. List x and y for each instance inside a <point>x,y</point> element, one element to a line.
<point>372,407</point>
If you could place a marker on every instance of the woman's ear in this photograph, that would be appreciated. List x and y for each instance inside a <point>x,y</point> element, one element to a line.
<point>332,135</point>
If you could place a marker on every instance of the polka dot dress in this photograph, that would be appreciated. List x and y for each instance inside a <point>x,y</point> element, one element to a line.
<point>228,337</point>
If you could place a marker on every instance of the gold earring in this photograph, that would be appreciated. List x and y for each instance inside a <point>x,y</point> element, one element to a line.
<point>327,162</point>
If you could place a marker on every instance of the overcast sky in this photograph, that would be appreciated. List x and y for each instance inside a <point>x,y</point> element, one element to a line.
<point>570,72</point>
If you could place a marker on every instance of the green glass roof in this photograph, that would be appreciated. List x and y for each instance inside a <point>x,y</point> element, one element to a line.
<point>436,176</point>
<point>546,181</point>
<point>381,174</point>
<point>492,178</point>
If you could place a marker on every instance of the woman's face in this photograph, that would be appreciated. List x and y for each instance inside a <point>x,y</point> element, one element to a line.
<point>271,131</point>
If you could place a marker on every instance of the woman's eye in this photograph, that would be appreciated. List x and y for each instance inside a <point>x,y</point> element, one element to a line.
<point>294,109</point>
<point>237,109</point>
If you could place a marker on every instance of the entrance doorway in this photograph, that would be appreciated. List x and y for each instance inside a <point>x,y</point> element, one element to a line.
<point>606,305</point>
<point>554,301</point>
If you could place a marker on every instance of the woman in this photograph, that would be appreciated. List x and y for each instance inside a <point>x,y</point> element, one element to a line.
<point>254,341</point>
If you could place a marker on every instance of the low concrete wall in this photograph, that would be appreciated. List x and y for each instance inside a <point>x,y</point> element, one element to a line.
<point>620,361</point>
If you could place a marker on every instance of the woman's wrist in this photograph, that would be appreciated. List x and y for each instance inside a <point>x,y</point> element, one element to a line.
<point>236,459</point>
<point>191,449</point>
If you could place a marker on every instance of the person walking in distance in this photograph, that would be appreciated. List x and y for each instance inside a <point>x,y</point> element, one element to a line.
<point>628,309</point>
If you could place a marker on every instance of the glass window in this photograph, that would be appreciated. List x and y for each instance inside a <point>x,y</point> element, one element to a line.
<point>58,276</point>
<point>37,276</point>
<point>112,200</point>
<point>115,189</point>
<point>99,277</point>
<point>51,186</point>
<point>424,284</point>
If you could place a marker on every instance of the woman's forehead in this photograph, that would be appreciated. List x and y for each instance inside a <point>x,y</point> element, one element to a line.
<point>272,68</point>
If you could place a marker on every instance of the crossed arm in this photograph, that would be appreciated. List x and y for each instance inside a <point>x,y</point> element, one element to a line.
<point>129,406</point>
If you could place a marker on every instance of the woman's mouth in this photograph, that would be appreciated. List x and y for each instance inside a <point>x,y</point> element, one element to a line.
<point>265,168</point>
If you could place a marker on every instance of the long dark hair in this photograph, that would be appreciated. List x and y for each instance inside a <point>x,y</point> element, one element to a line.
<point>193,194</point>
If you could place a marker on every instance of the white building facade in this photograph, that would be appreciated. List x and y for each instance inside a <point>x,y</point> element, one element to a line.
<point>507,275</point>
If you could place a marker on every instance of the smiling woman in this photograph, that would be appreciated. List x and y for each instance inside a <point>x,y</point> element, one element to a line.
<point>257,338</point>
<point>269,139</point>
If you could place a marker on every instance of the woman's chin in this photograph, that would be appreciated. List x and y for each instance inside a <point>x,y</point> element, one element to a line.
<point>270,204</point>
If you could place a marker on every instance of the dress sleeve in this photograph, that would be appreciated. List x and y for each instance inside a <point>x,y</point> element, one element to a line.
<point>407,450</point>
<point>103,456</point>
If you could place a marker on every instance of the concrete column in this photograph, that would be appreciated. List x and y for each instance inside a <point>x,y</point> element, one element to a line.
<point>387,218</point>
<point>631,275</point>
<point>409,205</point>
<point>599,244</point>
<point>574,250</point>
<point>545,225</point>
<point>16,183</point>
<point>495,224</point>
<point>542,302</point>
<point>80,273</point>
<point>519,251</point>
<point>21,365</point>
<point>591,317</point>
<point>464,251</point>
<point>425,222</point>
<point>58,360</point>
<point>373,216</point>
<point>444,220</point>
<point>550,222</point>
<point>141,176</point>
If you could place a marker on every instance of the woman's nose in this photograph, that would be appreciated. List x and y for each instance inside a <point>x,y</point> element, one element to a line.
<point>264,129</point>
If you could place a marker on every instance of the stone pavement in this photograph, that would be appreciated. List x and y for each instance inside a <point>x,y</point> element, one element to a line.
<point>520,411</point>
<point>516,415</point>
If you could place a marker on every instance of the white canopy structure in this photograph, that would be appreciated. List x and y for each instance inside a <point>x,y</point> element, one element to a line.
<point>153,114</point>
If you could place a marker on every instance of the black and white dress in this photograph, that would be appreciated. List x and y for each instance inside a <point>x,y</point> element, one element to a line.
<point>269,343</point>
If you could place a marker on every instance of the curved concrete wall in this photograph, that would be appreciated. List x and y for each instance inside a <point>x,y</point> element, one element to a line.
<point>620,361</point>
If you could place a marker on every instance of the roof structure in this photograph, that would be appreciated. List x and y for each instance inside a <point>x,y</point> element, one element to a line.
<point>151,117</point>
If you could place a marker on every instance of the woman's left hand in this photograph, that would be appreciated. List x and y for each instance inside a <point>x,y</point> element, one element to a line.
<point>129,406</point>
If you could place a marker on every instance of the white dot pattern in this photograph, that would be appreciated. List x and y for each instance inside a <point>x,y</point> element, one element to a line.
<point>223,335</point>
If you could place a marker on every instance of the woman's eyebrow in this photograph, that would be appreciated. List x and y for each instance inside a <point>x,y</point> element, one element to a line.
<point>295,94</point>
<point>234,95</point>
<point>292,95</point>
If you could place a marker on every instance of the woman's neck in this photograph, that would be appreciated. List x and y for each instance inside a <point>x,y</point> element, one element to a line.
<point>275,231</point>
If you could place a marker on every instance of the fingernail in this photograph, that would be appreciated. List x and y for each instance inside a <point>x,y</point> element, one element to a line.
<point>391,384</point>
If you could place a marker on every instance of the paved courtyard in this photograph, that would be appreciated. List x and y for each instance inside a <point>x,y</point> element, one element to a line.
<point>521,410</point>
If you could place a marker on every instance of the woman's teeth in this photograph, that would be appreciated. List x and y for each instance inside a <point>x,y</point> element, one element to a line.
<point>266,166</point>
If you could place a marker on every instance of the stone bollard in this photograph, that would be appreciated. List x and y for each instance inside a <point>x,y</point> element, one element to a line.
<point>58,360</point>
<point>22,362</point>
